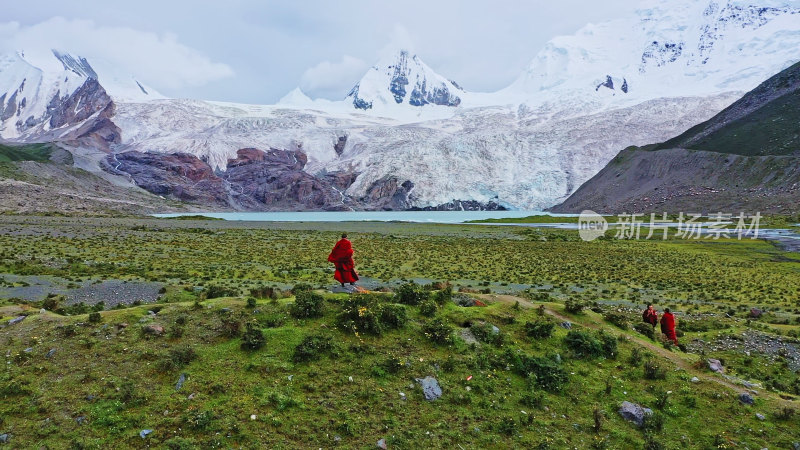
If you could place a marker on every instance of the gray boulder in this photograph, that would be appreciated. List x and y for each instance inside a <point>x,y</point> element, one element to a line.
<point>634,413</point>
<point>16,320</point>
<point>382,444</point>
<point>180,382</point>
<point>746,398</point>
<point>716,366</point>
<point>143,434</point>
<point>566,325</point>
<point>50,353</point>
<point>4,438</point>
<point>430,388</point>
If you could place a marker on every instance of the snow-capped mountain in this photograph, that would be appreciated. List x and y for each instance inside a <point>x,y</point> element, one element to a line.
<point>408,137</point>
<point>401,78</point>
<point>50,95</point>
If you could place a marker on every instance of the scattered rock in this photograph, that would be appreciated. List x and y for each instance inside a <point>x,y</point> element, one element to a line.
<point>153,330</point>
<point>695,380</point>
<point>495,330</point>
<point>382,444</point>
<point>50,353</point>
<point>468,337</point>
<point>253,417</point>
<point>756,313</point>
<point>463,300</point>
<point>430,388</point>
<point>90,397</point>
<point>760,416</point>
<point>634,413</point>
<point>346,289</point>
<point>337,438</point>
<point>4,438</point>
<point>226,310</point>
<point>191,396</point>
<point>151,312</point>
<point>122,325</point>
<point>566,325</point>
<point>80,419</point>
<point>16,320</point>
<point>181,380</point>
<point>143,434</point>
<point>402,396</point>
<point>746,398</point>
<point>716,366</point>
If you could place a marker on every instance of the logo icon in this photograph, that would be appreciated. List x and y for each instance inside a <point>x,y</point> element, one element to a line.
<point>591,225</point>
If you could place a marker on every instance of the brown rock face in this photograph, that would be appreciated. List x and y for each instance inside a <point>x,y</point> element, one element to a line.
<point>255,180</point>
<point>389,193</point>
<point>275,179</point>
<point>181,176</point>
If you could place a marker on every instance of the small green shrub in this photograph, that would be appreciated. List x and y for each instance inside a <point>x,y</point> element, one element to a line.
<point>636,358</point>
<point>574,306</point>
<point>653,423</point>
<point>532,399</point>
<point>609,344</point>
<point>94,317</point>
<point>443,296</point>
<point>427,308</point>
<point>393,316</point>
<point>411,294</point>
<point>307,304</point>
<point>214,291</point>
<point>176,358</point>
<point>230,326</point>
<point>52,302</point>
<point>312,348</point>
<point>539,329</point>
<point>361,314</point>
<point>653,371</point>
<point>199,420</point>
<point>617,318</point>
<point>484,332</point>
<point>645,329</point>
<point>301,287</point>
<point>253,338</point>
<point>545,372</point>
<point>583,345</point>
<point>251,302</point>
<point>438,331</point>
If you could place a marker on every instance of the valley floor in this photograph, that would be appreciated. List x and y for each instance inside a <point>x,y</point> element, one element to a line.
<point>173,357</point>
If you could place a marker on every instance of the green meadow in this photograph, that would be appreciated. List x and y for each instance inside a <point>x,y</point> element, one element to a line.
<point>237,342</point>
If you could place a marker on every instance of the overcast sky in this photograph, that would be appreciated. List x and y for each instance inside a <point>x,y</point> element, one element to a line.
<point>256,51</point>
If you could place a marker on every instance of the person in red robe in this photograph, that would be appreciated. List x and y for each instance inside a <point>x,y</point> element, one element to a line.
<point>650,316</point>
<point>342,257</point>
<point>668,326</point>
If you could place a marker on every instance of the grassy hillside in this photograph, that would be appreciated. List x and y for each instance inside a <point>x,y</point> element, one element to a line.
<point>763,122</point>
<point>340,371</point>
<point>30,152</point>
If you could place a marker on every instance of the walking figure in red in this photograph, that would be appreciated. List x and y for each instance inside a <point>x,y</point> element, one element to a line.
<point>342,257</point>
<point>650,316</point>
<point>668,326</point>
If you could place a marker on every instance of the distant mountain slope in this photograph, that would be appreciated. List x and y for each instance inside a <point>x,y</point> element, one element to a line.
<point>41,179</point>
<point>747,157</point>
<point>766,121</point>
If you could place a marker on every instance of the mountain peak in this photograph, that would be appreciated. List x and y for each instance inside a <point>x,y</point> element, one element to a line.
<point>401,78</point>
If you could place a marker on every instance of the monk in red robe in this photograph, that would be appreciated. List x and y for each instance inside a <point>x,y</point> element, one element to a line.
<point>650,316</point>
<point>668,326</point>
<point>342,257</point>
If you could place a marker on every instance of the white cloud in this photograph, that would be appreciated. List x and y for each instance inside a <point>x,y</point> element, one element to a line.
<point>156,59</point>
<point>333,79</point>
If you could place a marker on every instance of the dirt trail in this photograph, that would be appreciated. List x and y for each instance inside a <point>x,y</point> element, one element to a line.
<point>685,361</point>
